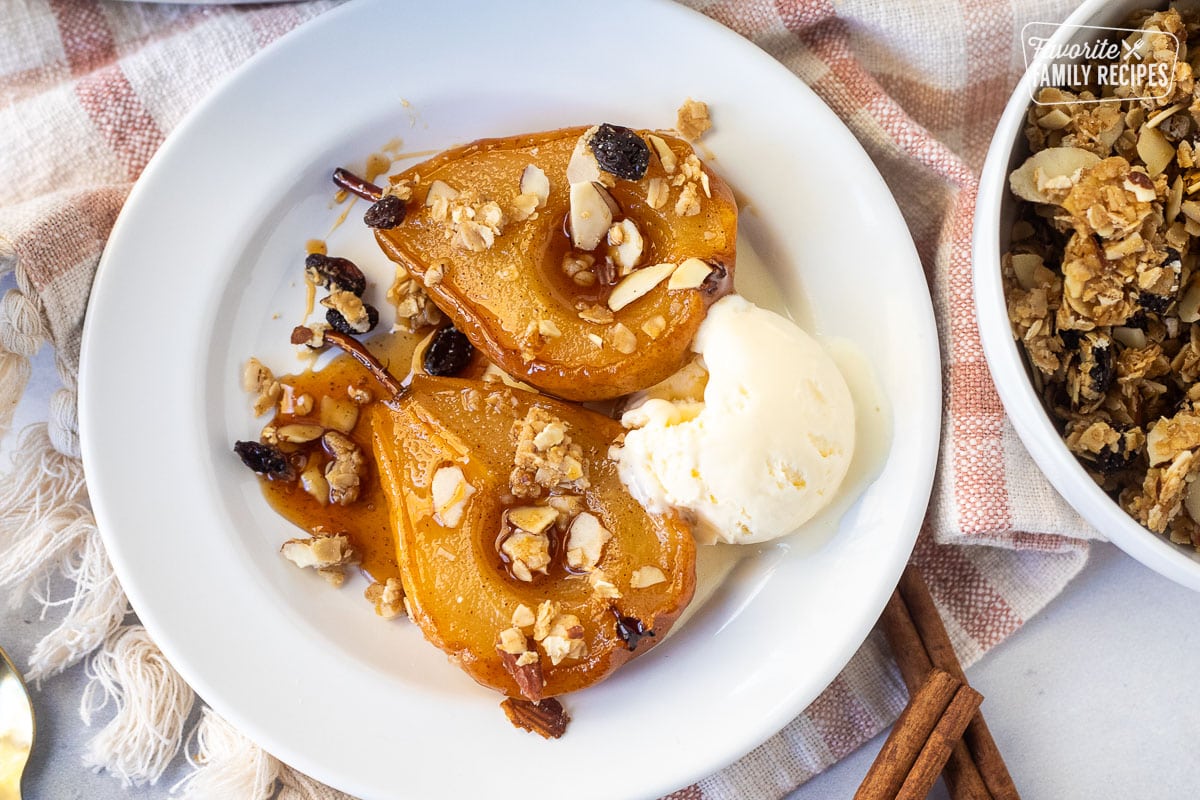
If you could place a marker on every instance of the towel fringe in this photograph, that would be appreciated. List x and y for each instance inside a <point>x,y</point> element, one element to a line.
<point>151,706</point>
<point>96,608</point>
<point>226,764</point>
<point>22,331</point>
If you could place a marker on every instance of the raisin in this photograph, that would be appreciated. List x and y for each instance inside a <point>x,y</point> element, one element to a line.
<point>338,273</point>
<point>631,630</point>
<point>339,323</point>
<point>1097,361</point>
<point>265,460</point>
<point>1155,303</point>
<point>387,213</point>
<point>448,353</point>
<point>1110,460</point>
<point>620,151</point>
<point>1070,338</point>
<point>1137,320</point>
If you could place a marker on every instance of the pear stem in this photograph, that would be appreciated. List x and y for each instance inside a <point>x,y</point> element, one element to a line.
<point>345,179</point>
<point>359,352</point>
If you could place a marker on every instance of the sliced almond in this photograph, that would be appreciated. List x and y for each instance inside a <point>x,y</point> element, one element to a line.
<point>591,214</point>
<point>535,182</point>
<point>646,576</point>
<point>1055,120</point>
<point>1191,501</point>
<point>637,284</point>
<point>691,274</point>
<point>625,245</point>
<point>314,482</point>
<point>586,541</point>
<point>1130,337</point>
<point>1174,200</point>
<point>1154,149</point>
<point>1164,115</point>
<point>665,154</point>
<point>1171,436</point>
<point>439,190</point>
<point>299,433</point>
<point>657,192</point>
<point>1189,303</point>
<point>582,167</point>
<point>534,519</point>
<point>450,492</point>
<point>1191,210</point>
<point>1025,267</point>
<point>1054,162</point>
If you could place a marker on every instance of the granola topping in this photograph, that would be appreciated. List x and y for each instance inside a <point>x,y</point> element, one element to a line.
<point>559,635</point>
<point>414,308</point>
<point>692,119</point>
<point>327,553</point>
<point>1101,283</point>
<point>260,381</point>
<point>345,471</point>
<point>546,456</point>
<point>387,597</point>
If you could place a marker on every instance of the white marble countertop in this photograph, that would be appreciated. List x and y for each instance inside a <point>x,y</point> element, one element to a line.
<point>1092,699</point>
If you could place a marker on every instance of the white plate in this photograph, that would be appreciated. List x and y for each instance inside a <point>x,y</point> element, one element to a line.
<point>210,245</point>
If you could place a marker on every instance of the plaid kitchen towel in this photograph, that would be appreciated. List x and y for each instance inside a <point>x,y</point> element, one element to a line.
<point>88,91</point>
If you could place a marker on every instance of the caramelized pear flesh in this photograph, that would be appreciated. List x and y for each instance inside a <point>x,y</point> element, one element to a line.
<point>461,589</point>
<point>509,291</point>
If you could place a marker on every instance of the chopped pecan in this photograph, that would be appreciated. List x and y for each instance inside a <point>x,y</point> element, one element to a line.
<point>546,718</point>
<point>528,675</point>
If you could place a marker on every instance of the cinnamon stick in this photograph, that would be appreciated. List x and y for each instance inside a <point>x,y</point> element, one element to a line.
<point>938,748</point>
<point>961,773</point>
<point>909,737</point>
<point>917,598</point>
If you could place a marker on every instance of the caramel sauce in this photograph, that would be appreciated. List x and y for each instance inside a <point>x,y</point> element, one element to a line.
<point>393,147</point>
<point>377,164</point>
<point>337,223</point>
<point>366,521</point>
<point>316,246</point>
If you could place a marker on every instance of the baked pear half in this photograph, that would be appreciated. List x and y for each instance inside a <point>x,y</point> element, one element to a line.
<point>521,553</point>
<point>581,260</point>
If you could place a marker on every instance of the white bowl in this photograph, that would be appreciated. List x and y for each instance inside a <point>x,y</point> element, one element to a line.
<point>995,211</point>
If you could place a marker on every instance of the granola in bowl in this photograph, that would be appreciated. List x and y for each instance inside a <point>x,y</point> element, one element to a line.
<point>1100,276</point>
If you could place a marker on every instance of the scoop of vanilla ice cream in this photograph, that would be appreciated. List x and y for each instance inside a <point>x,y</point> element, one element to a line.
<point>755,447</point>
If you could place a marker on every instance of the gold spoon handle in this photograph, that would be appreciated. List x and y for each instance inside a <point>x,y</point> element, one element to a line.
<point>16,728</point>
